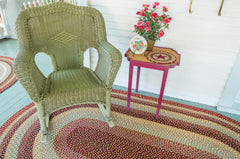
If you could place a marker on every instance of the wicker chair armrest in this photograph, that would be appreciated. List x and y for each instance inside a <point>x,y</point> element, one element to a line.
<point>28,74</point>
<point>110,59</point>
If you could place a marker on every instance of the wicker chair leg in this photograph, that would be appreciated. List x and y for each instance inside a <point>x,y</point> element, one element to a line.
<point>45,133</point>
<point>47,120</point>
<point>44,129</point>
<point>107,114</point>
<point>44,120</point>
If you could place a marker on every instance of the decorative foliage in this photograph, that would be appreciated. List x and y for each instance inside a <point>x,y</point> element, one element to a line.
<point>151,23</point>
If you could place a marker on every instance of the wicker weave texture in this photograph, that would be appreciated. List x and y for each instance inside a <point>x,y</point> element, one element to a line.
<point>65,32</point>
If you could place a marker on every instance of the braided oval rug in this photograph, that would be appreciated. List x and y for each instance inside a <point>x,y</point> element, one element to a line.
<point>182,131</point>
<point>7,77</point>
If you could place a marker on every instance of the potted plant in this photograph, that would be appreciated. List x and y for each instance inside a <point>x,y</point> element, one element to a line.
<point>152,21</point>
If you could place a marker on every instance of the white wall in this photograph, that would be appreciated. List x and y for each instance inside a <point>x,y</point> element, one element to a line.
<point>208,44</point>
<point>230,100</point>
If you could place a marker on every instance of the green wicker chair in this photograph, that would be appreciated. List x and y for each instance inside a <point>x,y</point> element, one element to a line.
<point>65,32</point>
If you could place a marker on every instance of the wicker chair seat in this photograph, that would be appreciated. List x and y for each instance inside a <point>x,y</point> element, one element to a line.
<point>71,87</point>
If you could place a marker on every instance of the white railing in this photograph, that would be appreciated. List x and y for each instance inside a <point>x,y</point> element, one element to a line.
<point>34,3</point>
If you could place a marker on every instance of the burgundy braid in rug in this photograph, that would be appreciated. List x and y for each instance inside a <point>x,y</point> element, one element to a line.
<point>7,77</point>
<point>181,131</point>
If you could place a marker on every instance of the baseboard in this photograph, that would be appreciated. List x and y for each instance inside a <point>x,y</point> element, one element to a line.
<point>182,101</point>
<point>228,110</point>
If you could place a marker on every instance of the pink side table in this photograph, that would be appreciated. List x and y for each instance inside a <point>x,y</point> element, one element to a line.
<point>159,59</point>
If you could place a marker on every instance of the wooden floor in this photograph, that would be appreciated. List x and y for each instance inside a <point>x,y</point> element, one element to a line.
<point>15,97</point>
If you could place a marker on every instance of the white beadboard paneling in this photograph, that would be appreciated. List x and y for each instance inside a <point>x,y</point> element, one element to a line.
<point>208,44</point>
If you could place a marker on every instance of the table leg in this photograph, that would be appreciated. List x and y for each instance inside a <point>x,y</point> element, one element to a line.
<point>129,85</point>
<point>165,73</point>
<point>138,75</point>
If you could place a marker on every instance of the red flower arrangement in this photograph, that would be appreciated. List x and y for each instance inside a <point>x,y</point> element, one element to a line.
<point>151,24</point>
